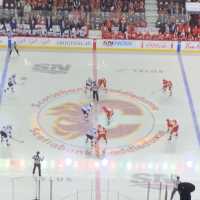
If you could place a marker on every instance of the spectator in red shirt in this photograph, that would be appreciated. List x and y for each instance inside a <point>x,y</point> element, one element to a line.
<point>186,29</point>
<point>195,31</point>
<point>109,25</point>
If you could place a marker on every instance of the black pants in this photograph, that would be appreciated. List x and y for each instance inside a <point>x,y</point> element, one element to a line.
<point>15,50</point>
<point>185,197</point>
<point>95,95</point>
<point>39,168</point>
<point>173,193</point>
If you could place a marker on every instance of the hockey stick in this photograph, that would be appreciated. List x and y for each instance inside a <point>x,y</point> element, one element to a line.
<point>16,140</point>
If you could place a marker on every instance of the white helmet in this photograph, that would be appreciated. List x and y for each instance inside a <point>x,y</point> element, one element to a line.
<point>91,104</point>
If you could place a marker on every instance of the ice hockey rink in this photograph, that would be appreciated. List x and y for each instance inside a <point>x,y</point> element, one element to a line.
<point>45,114</point>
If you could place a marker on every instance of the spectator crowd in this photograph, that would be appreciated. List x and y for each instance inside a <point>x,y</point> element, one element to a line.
<point>117,19</point>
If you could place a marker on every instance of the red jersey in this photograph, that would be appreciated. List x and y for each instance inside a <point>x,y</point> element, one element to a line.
<point>169,84</point>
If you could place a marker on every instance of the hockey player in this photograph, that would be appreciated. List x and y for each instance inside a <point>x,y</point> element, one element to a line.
<point>6,134</point>
<point>174,129</point>
<point>101,133</point>
<point>11,83</point>
<point>169,124</point>
<point>167,86</point>
<point>170,85</point>
<point>14,46</point>
<point>91,135</point>
<point>108,112</point>
<point>164,85</point>
<point>102,83</point>
<point>88,85</point>
<point>86,109</point>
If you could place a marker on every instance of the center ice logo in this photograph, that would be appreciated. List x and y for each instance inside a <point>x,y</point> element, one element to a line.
<point>59,121</point>
<point>69,123</point>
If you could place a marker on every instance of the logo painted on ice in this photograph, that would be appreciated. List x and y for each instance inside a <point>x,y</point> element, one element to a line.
<point>51,68</point>
<point>59,123</point>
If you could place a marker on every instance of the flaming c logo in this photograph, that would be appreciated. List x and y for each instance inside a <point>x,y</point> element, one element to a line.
<point>69,122</point>
<point>59,120</point>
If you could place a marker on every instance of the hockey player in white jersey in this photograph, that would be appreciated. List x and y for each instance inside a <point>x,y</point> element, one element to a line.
<point>88,85</point>
<point>11,83</point>
<point>91,135</point>
<point>6,134</point>
<point>86,109</point>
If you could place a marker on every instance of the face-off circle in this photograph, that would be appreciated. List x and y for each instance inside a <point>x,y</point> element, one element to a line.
<point>59,121</point>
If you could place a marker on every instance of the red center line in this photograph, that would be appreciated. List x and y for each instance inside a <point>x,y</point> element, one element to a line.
<point>97,174</point>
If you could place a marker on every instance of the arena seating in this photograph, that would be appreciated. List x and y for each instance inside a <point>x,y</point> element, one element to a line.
<point>117,19</point>
<point>174,21</point>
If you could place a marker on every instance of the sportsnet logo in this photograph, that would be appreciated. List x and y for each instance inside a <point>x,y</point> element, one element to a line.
<point>51,68</point>
<point>118,43</point>
<point>108,43</point>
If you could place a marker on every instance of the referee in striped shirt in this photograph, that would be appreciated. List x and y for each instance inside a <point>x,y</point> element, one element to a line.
<point>37,162</point>
<point>95,92</point>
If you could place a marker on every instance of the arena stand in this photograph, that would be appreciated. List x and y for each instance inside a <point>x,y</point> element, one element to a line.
<point>175,21</point>
<point>116,19</point>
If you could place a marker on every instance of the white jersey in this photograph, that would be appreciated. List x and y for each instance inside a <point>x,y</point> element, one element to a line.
<point>7,130</point>
<point>87,108</point>
<point>176,183</point>
<point>92,132</point>
<point>89,82</point>
<point>95,88</point>
<point>3,129</point>
<point>37,159</point>
<point>12,81</point>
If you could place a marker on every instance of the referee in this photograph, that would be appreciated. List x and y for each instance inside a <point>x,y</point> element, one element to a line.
<point>95,92</point>
<point>175,189</point>
<point>37,162</point>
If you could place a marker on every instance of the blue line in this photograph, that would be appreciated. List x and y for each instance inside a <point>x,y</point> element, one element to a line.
<point>190,101</point>
<point>4,74</point>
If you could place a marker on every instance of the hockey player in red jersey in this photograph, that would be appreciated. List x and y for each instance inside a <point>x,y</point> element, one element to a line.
<point>174,129</point>
<point>108,112</point>
<point>169,125</point>
<point>164,85</point>
<point>170,85</point>
<point>102,83</point>
<point>101,133</point>
<point>167,86</point>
